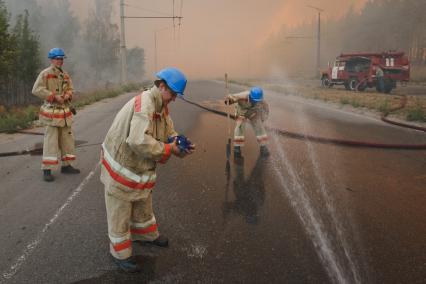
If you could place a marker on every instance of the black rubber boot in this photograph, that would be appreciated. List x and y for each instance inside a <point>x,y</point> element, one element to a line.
<point>237,152</point>
<point>69,170</point>
<point>161,241</point>
<point>47,176</point>
<point>264,152</point>
<point>128,265</point>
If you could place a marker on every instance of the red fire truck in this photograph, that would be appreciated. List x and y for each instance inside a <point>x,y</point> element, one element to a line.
<point>357,71</point>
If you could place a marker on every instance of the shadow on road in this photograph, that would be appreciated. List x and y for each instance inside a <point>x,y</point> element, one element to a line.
<point>148,264</point>
<point>249,193</point>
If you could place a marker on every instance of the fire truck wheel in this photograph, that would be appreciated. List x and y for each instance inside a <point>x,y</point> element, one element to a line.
<point>325,82</point>
<point>362,86</point>
<point>346,84</point>
<point>353,82</point>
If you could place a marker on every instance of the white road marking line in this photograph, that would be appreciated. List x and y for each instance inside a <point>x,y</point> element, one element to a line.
<point>33,245</point>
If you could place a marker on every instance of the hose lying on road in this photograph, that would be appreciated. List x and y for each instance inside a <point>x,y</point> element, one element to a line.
<point>401,106</point>
<point>294,135</point>
<point>37,151</point>
<point>12,131</point>
<point>323,140</point>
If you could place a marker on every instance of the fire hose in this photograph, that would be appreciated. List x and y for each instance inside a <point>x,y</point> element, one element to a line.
<point>341,142</point>
<point>37,151</point>
<point>294,135</point>
<point>401,106</point>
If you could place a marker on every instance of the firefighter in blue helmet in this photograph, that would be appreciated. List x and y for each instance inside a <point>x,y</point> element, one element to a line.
<point>139,139</point>
<point>55,87</point>
<point>250,107</point>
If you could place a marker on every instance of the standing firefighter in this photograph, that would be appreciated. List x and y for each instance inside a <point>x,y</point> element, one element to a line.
<point>380,79</point>
<point>250,107</point>
<point>55,87</point>
<point>141,136</point>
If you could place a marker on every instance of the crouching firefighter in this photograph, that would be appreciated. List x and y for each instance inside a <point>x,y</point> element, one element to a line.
<point>55,87</point>
<point>252,108</point>
<point>137,140</point>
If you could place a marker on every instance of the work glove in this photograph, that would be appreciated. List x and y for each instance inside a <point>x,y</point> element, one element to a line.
<point>181,146</point>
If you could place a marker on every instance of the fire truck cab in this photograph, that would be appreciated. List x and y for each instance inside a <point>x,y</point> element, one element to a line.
<point>357,71</point>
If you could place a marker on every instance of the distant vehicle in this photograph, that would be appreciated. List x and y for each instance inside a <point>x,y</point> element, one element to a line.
<point>357,71</point>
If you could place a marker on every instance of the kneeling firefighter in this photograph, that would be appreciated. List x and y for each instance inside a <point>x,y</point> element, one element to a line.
<point>141,135</point>
<point>251,107</point>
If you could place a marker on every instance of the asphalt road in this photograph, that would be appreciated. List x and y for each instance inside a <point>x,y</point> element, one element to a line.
<point>311,213</point>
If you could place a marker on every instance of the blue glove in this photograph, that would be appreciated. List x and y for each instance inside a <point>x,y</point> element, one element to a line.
<point>182,142</point>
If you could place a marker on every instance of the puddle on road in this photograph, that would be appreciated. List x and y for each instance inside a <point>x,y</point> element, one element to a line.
<point>248,191</point>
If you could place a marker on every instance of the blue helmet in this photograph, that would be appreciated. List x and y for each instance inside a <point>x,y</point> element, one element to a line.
<point>56,53</point>
<point>256,94</point>
<point>174,78</point>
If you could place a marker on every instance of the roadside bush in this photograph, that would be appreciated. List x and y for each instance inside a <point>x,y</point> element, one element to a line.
<point>355,103</point>
<point>15,119</point>
<point>384,107</point>
<point>344,101</point>
<point>416,114</point>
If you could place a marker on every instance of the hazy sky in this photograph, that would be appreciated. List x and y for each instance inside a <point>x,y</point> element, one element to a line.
<point>216,36</point>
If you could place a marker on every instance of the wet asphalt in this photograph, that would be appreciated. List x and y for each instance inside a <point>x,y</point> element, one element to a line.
<point>310,213</point>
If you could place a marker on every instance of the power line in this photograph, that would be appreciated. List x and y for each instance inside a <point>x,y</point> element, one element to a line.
<point>152,17</point>
<point>149,10</point>
<point>123,50</point>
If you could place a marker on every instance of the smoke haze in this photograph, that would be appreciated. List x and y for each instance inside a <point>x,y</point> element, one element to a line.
<point>244,38</point>
<point>214,36</point>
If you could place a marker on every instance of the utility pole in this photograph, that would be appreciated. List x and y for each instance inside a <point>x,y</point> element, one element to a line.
<point>123,50</point>
<point>319,10</point>
<point>155,48</point>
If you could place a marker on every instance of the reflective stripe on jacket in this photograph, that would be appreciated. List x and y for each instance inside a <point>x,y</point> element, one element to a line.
<point>50,82</point>
<point>135,143</point>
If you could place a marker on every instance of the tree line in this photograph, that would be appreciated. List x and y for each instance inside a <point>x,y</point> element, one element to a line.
<point>30,28</point>
<point>381,25</point>
<point>18,65</point>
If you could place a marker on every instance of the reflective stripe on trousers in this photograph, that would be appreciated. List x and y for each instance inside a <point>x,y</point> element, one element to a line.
<point>129,221</point>
<point>58,141</point>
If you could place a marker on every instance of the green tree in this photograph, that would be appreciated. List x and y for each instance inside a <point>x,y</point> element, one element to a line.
<point>27,60</point>
<point>7,55</point>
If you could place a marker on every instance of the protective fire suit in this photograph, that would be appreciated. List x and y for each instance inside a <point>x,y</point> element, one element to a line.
<point>255,113</point>
<point>57,117</point>
<point>136,141</point>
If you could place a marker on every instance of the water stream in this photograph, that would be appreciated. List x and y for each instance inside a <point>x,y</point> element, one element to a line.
<point>327,236</point>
